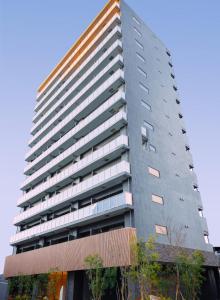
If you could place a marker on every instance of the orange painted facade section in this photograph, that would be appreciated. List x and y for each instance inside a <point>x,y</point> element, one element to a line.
<point>58,68</point>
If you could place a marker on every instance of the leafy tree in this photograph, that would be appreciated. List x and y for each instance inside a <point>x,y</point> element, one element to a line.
<point>100,279</point>
<point>190,272</point>
<point>144,270</point>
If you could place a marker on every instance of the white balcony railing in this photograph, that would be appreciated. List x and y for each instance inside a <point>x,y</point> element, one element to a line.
<point>118,120</point>
<point>85,49</point>
<point>51,114</point>
<point>88,161</point>
<point>90,186</point>
<point>77,132</point>
<point>92,211</point>
<point>56,130</point>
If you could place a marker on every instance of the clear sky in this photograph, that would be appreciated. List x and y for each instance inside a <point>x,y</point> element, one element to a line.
<point>34,35</point>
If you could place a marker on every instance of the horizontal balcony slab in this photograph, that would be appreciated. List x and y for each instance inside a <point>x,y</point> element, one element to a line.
<point>113,247</point>
<point>50,119</point>
<point>47,140</point>
<point>102,132</point>
<point>93,161</point>
<point>95,184</point>
<point>115,20</point>
<point>111,206</point>
<point>85,126</point>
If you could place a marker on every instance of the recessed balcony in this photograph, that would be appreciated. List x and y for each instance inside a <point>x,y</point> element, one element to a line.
<point>95,160</point>
<point>112,206</point>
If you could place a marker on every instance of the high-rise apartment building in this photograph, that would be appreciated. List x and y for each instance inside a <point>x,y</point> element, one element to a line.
<point>108,155</point>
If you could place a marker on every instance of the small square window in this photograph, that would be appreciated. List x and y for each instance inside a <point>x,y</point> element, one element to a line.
<point>183,131</point>
<point>180,116</point>
<point>140,57</point>
<point>152,148</point>
<point>146,105</point>
<point>139,44</point>
<point>136,20</point>
<point>168,53</point>
<point>137,31</point>
<point>206,238</point>
<point>148,125</point>
<point>157,199</point>
<point>170,64</point>
<point>191,167</point>
<point>195,187</point>
<point>161,229</point>
<point>142,72</point>
<point>200,210</point>
<point>175,88</point>
<point>187,148</point>
<point>146,89</point>
<point>177,101</point>
<point>172,75</point>
<point>154,172</point>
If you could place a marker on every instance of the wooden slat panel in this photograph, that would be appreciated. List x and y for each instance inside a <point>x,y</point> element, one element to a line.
<point>113,247</point>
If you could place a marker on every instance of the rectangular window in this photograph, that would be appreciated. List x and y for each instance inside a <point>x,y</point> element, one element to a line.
<point>146,105</point>
<point>139,44</point>
<point>146,89</point>
<point>136,20</point>
<point>142,72</point>
<point>152,148</point>
<point>140,57</point>
<point>157,199</point>
<point>206,238</point>
<point>200,212</point>
<point>161,229</point>
<point>154,172</point>
<point>148,125</point>
<point>137,31</point>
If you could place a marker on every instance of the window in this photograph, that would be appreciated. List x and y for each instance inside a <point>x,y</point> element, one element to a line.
<point>191,167</point>
<point>206,238</point>
<point>170,64</point>
<point>152,148</point>
<point>187,148</point>
<point>140,57</point>
<point>146,89</point>
<point>200,210</point>
<point>139,44</point>
<point>177,101</point>
<point>168,53</point>
<point>136,20</point>
<point>180,116</point>
<point>183,131</point>
<point>161,229</point>
<point>137,31</point>
<point>146,105</point>
<point>195,187</point>
<point>172,75</point>
<point>157,199</point>
<point>142,72</point>
<point>148,125</point>
<point>175,88</point>
<point>154,172</point>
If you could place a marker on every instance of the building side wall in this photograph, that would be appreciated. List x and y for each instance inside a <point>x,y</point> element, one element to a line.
<point>181,202</point>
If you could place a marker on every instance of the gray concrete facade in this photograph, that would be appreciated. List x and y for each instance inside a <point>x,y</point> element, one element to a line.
<point>143,51</point>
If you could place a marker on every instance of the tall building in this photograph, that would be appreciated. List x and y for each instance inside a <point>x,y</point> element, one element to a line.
<point>108,156</point>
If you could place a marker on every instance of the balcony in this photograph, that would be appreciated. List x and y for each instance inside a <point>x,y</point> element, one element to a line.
<point>70,89</point>
<point>82,95</point>
<point>102,132</point>
<point>78,59</point>
<point>112,206</point>
<point>94,160</point>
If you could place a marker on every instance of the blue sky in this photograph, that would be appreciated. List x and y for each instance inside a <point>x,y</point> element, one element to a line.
<point>34,35</point>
